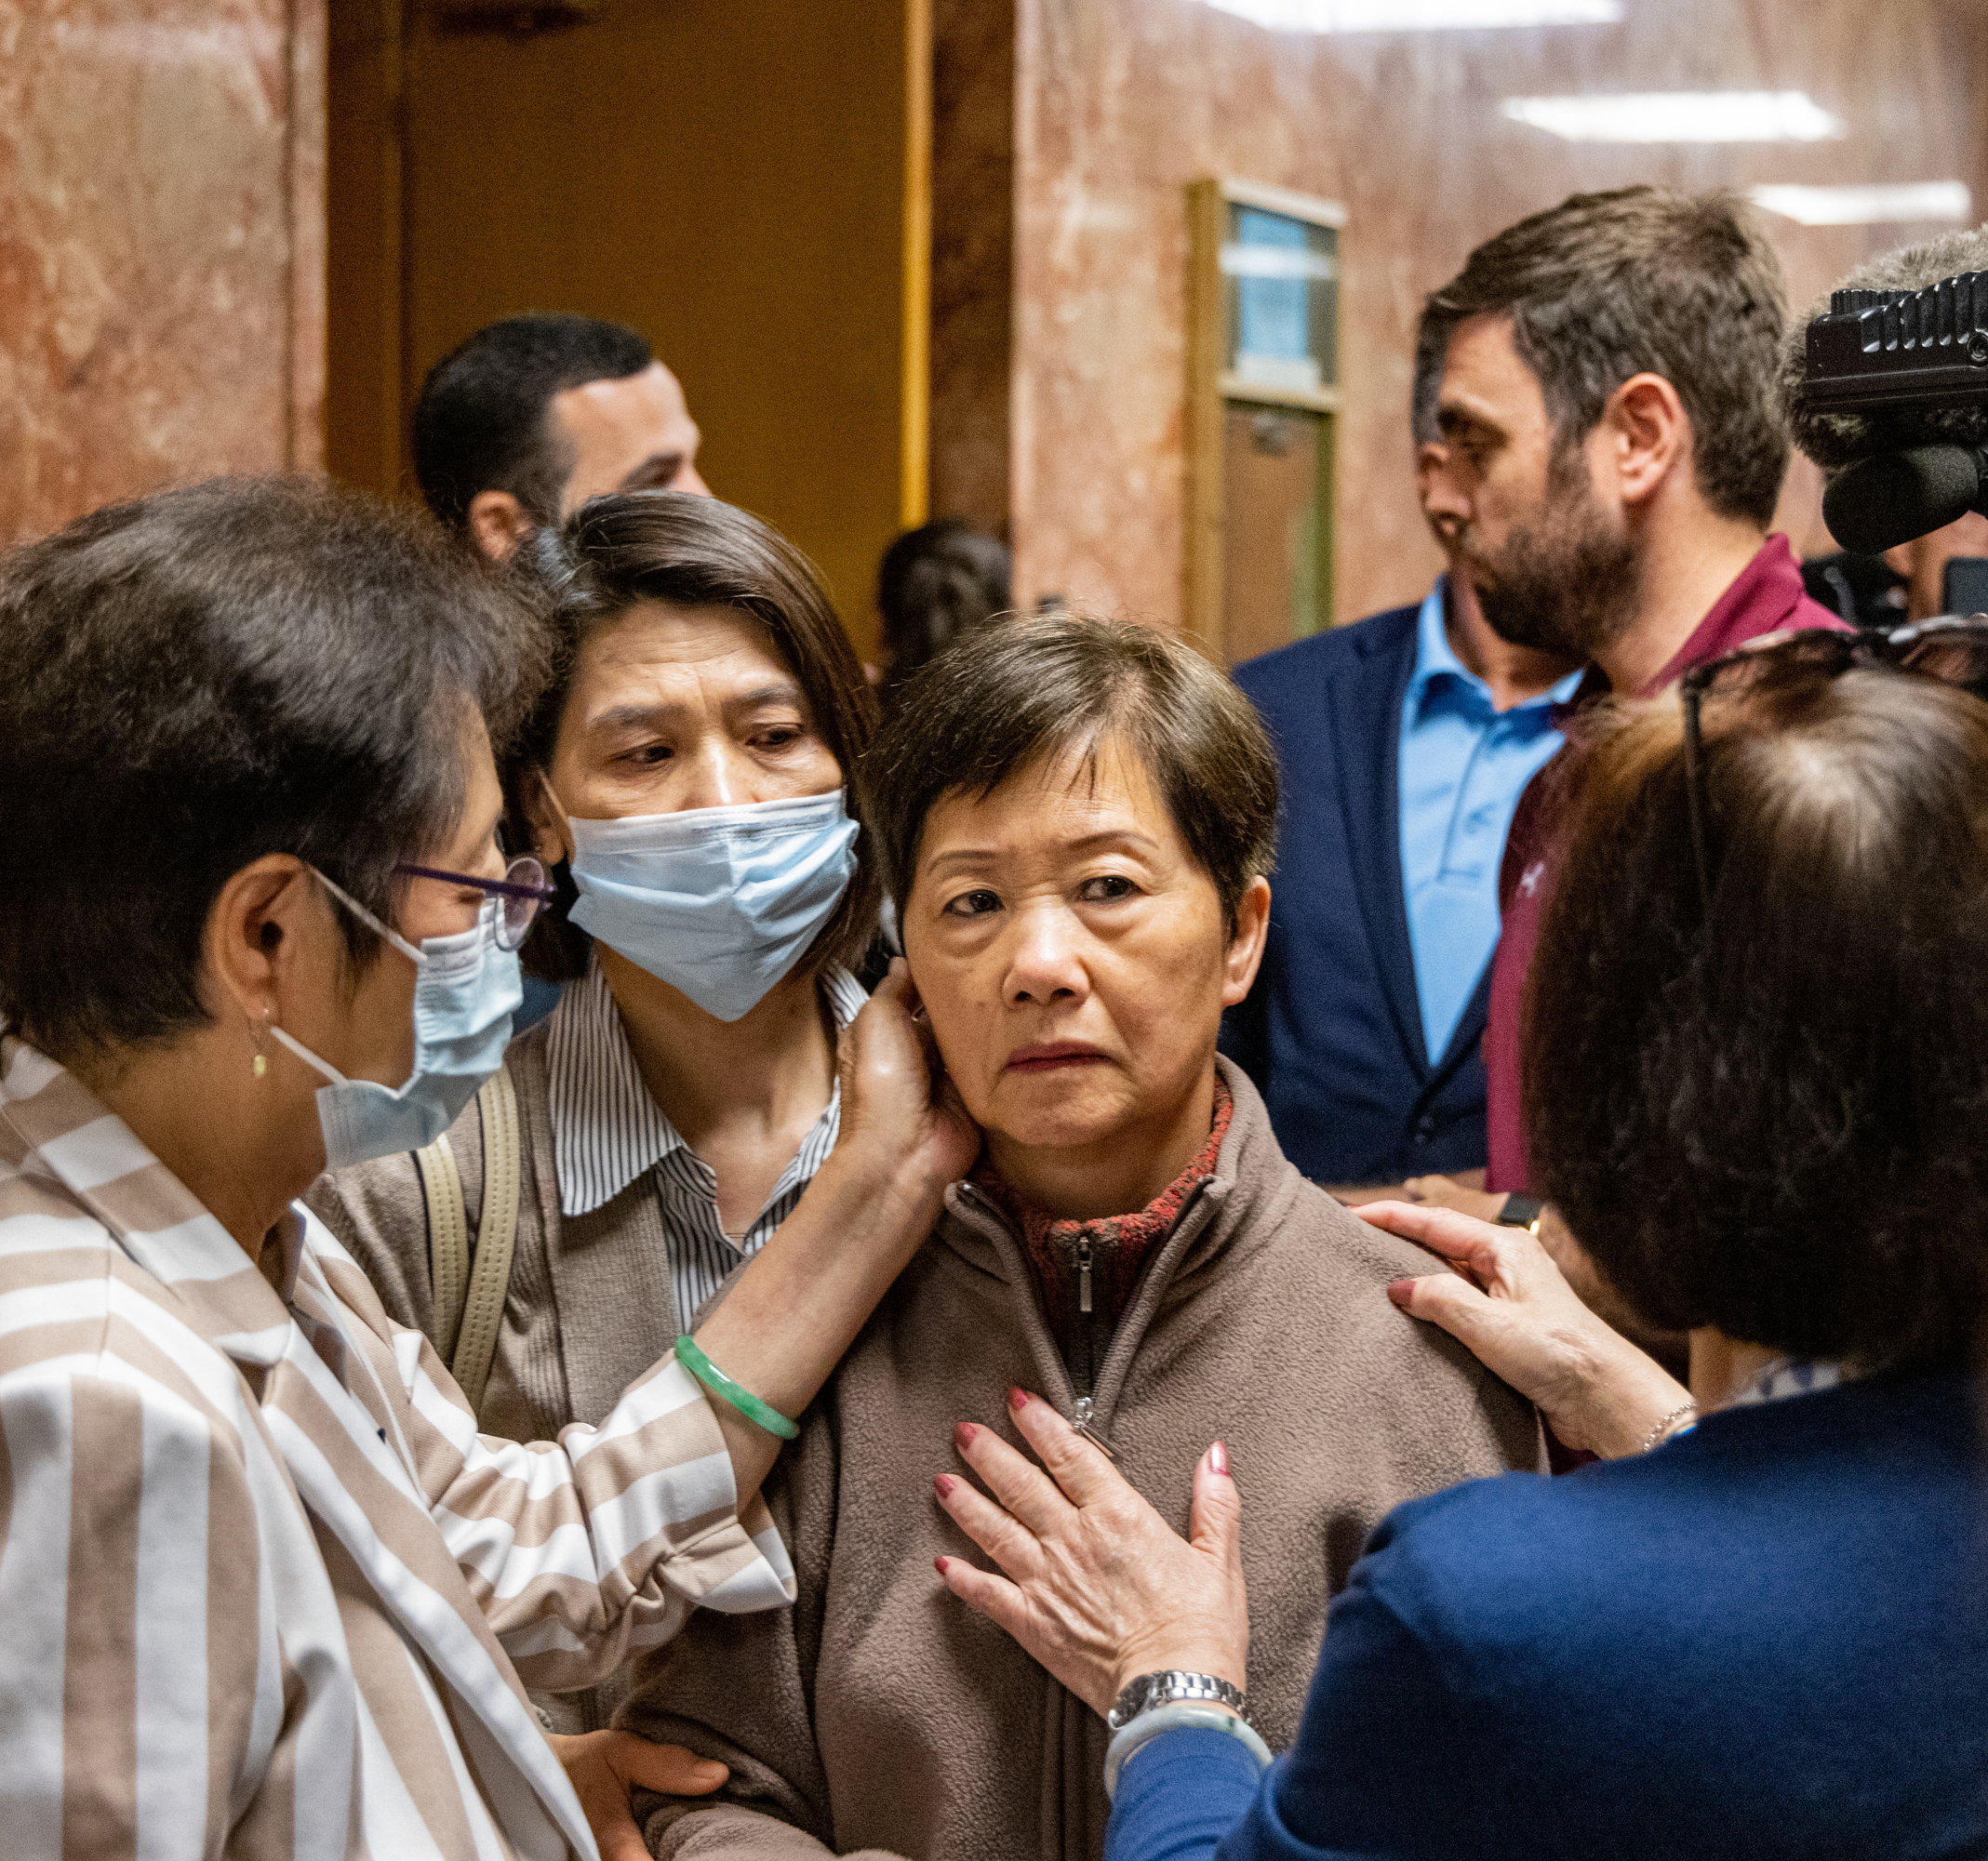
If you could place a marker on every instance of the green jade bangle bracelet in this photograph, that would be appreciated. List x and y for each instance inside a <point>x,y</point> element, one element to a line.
<point>762,1415</point>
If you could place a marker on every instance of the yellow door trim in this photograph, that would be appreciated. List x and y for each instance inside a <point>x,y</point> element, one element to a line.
<point>916,468</point>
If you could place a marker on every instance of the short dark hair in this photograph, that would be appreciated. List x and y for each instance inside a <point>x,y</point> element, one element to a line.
<point>935,584</point>
<point>694,552</point>
<point>1608,286</point>
<point>1765,1115</point>
<point>481,422</point>
<point>1426,389</point>
<point>206,676</point>
<point>1009,697</point>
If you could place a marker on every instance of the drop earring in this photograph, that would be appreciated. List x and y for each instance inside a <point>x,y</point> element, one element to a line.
<point>258,1066</point>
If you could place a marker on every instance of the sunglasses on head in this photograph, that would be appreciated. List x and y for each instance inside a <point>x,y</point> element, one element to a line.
<point>1953,652</point>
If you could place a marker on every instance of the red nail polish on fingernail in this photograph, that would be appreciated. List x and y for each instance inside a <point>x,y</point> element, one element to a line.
<point>963,1432</point>
<point>1219,1460</point>
<point>945,1484</point>
<point>1401,1291</point>
<point>938,1564</point>
<point>1017,1399</point>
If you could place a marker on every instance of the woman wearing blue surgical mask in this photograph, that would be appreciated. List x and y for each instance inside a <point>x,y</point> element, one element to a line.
<point>685,781</point>
<point>264,1586</point>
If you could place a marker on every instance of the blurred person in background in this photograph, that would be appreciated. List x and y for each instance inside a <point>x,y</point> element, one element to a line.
<point>1613,459</point>
<point>1922,562</point>
<point>936,584</point>
<point>1403,741</point>
<point>262,1579</point>
<point>689,777</point>
<point>1076,816</point>
<point>1757,1035</point>
<point>518,425</point>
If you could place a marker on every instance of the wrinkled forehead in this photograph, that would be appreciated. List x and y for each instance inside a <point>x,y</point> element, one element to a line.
<point>1485,383</point>
<point>1062,801</point>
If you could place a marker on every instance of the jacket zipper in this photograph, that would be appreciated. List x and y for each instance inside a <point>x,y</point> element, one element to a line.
<point>1082,1408</point>
<point>1081,1411</point>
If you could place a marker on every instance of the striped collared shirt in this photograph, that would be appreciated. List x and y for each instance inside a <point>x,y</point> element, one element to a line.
<point>608,1131</point>
<point>264,1592</point>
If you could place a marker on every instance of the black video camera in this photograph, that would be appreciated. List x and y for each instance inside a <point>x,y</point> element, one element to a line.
<point>1907,371</point>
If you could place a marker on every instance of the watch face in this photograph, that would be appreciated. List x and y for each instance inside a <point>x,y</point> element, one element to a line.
<point>1130,1702</point>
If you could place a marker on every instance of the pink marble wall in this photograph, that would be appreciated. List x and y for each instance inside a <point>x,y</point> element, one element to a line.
<point>1119,103</point>
<point>161,246</point>
<point>973,245</point>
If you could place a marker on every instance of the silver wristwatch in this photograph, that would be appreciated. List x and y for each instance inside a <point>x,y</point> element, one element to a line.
<point>1171,1688</point>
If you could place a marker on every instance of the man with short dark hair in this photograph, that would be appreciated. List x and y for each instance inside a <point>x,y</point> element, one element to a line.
<point>1613,459</point>
<point>519,425</point>
<point>1405,742</point>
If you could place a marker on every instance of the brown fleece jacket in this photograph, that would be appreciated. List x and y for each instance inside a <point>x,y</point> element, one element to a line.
<point>880,1713</point>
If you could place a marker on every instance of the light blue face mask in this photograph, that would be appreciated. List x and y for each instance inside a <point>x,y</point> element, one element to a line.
<point>720,902</point>
<point>464,997</point>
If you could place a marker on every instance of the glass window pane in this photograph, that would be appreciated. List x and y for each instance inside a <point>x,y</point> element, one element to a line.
<point>1282,277</point>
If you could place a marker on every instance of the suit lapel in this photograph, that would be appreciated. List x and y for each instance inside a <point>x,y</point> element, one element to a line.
<point>1363,702</point>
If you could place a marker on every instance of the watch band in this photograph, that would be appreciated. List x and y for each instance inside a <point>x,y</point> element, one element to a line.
<point>1174,1687</point>
<point>1147,1726</point>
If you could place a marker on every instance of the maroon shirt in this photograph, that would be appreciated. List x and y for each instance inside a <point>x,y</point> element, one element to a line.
<point>1767,596</point>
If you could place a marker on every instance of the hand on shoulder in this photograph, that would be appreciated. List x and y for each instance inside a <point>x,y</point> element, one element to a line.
<point>1506,1301</point>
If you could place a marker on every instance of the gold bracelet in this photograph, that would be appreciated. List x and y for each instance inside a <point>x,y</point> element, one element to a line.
<point>1659,1434</point>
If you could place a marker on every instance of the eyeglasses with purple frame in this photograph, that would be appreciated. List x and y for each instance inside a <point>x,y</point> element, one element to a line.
<point>520,894</point>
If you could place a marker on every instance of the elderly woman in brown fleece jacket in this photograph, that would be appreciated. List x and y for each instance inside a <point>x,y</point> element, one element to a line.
<point>1077,818</point>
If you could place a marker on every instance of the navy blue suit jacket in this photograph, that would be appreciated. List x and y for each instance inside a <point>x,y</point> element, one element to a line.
<point>1332,1032</point>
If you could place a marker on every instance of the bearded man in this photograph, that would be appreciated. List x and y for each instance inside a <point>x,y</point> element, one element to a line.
<point>1611,461</point>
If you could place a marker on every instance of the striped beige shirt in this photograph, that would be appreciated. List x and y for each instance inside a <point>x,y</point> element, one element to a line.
<point>264,1592</point>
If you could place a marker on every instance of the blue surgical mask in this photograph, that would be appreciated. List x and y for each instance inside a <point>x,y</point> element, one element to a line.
<point>464,998</point>
<point>720,902</point>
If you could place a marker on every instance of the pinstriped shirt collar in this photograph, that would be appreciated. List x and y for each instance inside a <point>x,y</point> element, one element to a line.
<point>606,1130</point>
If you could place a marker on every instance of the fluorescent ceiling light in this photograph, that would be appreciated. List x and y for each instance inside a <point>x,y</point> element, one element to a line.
<point>1418,16</point>
<point>1680,117</point>
<point>1868,206</point>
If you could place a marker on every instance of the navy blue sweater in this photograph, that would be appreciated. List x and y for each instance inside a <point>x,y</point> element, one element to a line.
<point>1768,1638</point>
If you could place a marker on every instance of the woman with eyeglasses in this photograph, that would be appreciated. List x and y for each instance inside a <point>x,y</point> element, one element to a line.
<point>265,1589</point>
<point>1758,1056</point>
<point>689,775</point>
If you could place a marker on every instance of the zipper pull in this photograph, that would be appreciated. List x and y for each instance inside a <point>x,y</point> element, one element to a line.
<point>1084,1274</point>
<point>1081,1411</point>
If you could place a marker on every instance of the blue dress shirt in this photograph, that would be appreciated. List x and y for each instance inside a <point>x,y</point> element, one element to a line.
<point>1464,763</point>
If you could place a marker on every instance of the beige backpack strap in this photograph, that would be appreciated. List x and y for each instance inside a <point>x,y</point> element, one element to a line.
<point>503,1183</point>
<point>448,1238</point>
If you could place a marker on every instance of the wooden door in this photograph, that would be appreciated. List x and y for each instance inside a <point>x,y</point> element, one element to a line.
<point>744,181</point>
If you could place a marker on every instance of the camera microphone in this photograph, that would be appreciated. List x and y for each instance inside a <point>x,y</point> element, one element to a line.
<point>1893,496</point>
<point>1886,388</point>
